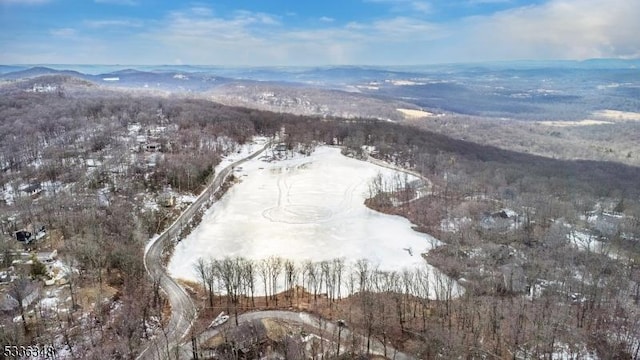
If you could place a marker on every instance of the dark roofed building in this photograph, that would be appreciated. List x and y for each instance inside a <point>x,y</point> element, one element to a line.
<point>32,189</point>
<point>23,236</point>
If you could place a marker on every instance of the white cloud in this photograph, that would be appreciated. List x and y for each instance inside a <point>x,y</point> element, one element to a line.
<point>257,17</point>
<point>421,6</point>
<point>248,38</point>
<point>201,11</point>
<point>327,19</point>
<point>406,29</point>
<point>565,29</point>
<point>196,24</point>
<point>63,32</point>
<point>98,24</point>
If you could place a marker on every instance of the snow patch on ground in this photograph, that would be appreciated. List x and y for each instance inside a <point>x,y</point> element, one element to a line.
<point>186,198</point>
<point>414,114</point>
<point>8,194</point>
<point>49,304</point>
<point>565,352</point>
<point>562,351</point>
<point>589,242</point>
<point>245,150</point>
<point>618,115</point>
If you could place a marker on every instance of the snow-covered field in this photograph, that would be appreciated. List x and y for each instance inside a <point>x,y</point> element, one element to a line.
<point>302,208</point>
<point>414,114</point>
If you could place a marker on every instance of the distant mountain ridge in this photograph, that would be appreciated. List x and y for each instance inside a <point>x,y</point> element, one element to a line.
<point>525,90</point>
<point>128,77</point>
<point>38,71</point>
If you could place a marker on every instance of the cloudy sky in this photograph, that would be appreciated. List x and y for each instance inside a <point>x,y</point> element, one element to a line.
<point>314,32</point>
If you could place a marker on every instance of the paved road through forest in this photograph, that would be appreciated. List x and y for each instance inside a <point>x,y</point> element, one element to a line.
<point>183,310</point>
<point>329,328</point>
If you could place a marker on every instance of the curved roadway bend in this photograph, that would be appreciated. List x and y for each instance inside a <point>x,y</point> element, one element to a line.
<point>377,347</point>
<point>183,310</point>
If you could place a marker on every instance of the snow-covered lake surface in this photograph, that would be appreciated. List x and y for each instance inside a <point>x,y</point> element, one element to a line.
<point>302,208</point>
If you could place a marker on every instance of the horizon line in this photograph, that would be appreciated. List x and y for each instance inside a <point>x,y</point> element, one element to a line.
<point>336,65</point>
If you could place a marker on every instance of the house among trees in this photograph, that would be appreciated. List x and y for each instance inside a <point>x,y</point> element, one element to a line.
<point>279,151</point>
<point>93,163</point>
<point>280,148</point>
<point>40,232</point>
<point>23,236</point>
<point>152,146</point>
<point>33,189</point>
<point>27,236</point>
<point>39,88</point>
<point>500,220</point>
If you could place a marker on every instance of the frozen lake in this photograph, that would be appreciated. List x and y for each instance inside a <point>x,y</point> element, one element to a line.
<point>303,208</point>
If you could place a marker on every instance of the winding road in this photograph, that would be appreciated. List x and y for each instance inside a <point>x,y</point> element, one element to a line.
<point>170,343</point>
<point>183,310</point>
<point>302,318</point>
